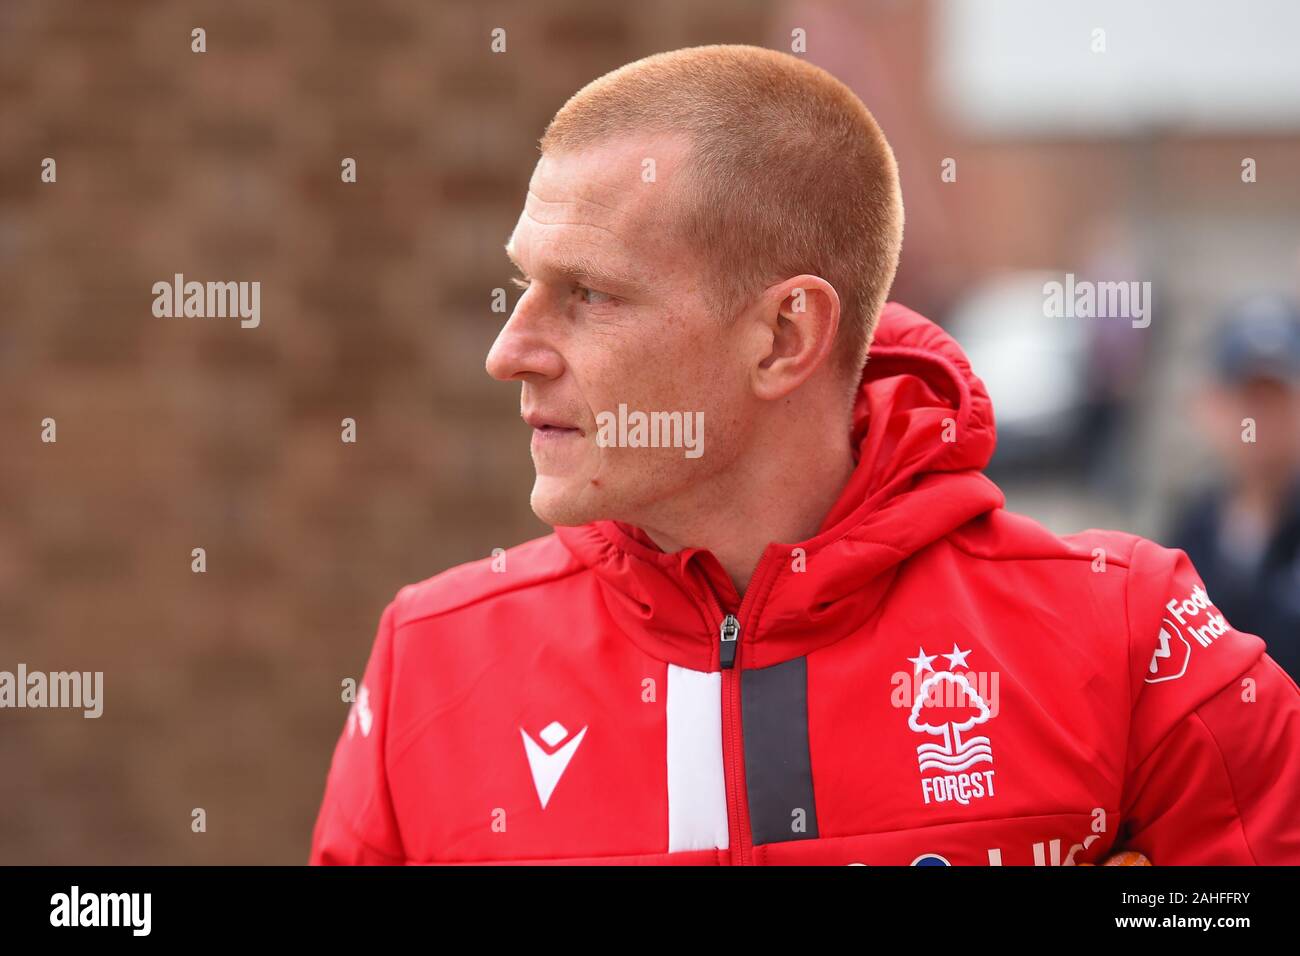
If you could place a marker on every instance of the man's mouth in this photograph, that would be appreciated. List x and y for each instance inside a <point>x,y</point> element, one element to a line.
<point>545,429</point>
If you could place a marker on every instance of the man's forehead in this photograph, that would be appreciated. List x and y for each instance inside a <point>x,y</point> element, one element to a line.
<point>622,185</point>
<point>616,167</point>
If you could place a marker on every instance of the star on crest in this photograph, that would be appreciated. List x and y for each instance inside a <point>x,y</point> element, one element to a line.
<point>922,661</point>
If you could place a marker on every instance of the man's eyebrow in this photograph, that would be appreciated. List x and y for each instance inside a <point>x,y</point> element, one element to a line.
<point>581,267</point>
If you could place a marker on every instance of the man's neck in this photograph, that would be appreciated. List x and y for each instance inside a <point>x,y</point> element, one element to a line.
<point>782,492</point>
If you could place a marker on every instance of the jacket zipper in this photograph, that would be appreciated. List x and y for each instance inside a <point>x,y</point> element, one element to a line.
<point>733,756</point>
<point>728,641</point>
<point>733,744</point>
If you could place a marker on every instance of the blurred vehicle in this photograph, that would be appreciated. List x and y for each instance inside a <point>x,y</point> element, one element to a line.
<point>1035,368</point>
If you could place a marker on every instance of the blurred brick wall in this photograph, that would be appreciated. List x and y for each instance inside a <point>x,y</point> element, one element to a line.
<point>222,689</point>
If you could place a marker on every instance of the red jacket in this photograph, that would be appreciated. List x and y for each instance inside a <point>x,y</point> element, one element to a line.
<point>929,680</point>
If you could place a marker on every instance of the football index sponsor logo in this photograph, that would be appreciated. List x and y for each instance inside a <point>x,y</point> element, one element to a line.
<point>948,707</point>
<point>1190,608</point>
<point>1169,662</point>
<point>1193,616</point>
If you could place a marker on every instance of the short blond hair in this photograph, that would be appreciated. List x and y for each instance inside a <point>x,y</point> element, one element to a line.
<point>788,172</point>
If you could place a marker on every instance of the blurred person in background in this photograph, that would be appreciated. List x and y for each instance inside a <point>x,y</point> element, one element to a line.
<point>1243,534</point>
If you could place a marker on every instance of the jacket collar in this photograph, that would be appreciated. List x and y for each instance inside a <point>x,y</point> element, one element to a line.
<point>923,429</point>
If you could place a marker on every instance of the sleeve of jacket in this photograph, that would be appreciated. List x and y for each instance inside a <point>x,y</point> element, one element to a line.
<point>356,824</point>
<point>1213,763</point>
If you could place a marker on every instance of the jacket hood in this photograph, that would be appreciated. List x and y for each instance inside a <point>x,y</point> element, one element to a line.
<point>923,432</point>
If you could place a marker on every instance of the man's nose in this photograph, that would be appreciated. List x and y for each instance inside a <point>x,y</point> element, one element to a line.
<point>523,350</point>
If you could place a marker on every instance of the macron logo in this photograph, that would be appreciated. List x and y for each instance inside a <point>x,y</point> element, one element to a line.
<point>548,768</point>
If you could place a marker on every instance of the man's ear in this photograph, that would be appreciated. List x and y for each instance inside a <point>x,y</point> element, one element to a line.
<point>798,319</point>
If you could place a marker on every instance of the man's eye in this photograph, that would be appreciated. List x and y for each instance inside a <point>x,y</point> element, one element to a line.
<point>519,283</point>
<point>592,297</point>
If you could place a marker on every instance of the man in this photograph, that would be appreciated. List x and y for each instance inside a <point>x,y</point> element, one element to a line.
<point>1244,534</point>
<point>918,676</point>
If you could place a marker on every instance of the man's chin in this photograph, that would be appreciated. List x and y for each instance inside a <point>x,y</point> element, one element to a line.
<point>558,502</point>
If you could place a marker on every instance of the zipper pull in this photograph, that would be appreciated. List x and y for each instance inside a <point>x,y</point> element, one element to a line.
<point>729,641</point>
